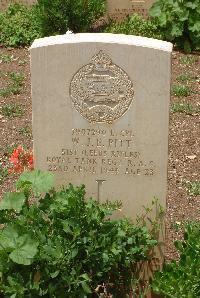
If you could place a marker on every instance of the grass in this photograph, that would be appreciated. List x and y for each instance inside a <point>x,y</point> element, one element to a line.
<point>5,58</point>
<point>193,188</point>
<point>16,77</point>
<point>3,174</point>
<point>22,62</point>
<point>2,74</point>
<point>7,151</point>
<point>25,131</point>
<point>15,85</point>
<point>12,110</point>
<point>181,90</point>
<point>184,108</point>
<point>5,92</point>
<point>188,60</point>
<point>185,77</point>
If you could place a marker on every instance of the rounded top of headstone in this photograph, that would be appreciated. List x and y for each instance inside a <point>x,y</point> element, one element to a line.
<point>104,38</point>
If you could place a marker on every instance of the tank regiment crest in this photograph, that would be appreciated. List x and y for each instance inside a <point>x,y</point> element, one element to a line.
<point>101,91</point>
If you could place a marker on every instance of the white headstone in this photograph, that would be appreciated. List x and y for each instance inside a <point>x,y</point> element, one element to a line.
<point>100,114</point>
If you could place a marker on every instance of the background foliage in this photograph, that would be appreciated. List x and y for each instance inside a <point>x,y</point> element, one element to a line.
<point>179,21</point>
<point>136,25</point>
<point>18,26</point>
<point>58,16</point>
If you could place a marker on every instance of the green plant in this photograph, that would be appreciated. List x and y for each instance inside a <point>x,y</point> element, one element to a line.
<point>193,188</point>
<point>182,278</point>
<point>184,108</point>
<point>25,131</point>
<point>7,151</point>
<point>5,92</point>
<point>188,60</point>
<point>22,62</point>
<point>181,90</point>
<point>15,84</point>
<point>16,77</point>
<point>135,25</point>
<point>18,25</point>
<point>73,248</point>
<point>3,173</point>
<point>185,77</point>
<point>2,74</point>
<point>12,110</point>
<point>6,58</point>
<point>179,21</point>
<point>58,16</point>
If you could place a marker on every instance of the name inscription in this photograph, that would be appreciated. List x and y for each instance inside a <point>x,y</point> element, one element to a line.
<point>101,151</point>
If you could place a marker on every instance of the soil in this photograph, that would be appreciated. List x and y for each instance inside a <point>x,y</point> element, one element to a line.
<point>184,137</point>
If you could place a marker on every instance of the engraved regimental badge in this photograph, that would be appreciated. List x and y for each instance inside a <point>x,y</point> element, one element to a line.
<point>101,91</point>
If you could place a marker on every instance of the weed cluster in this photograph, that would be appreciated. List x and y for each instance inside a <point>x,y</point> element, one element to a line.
<point>188,60</point>
<point>181,90</point>
<point>193,188</point>
<point>3,174</point>
<point>25,131</point>
<point>12,110</point>
<point>5,58</point>
<point>15,85</point>
<point>185,77</point>
<point>186,108</point>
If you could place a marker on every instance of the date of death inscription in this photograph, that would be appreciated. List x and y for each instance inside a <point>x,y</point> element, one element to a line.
<point>101,151</point>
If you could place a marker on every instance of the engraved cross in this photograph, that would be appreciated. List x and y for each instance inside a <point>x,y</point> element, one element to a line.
<point>100,182</point>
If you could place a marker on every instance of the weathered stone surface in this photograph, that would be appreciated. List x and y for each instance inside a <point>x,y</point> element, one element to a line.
<point>119,9</point>
<point>100,114</point>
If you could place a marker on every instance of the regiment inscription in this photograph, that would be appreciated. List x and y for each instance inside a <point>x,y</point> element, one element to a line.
<point>101,151</point>
<point>101,91</point>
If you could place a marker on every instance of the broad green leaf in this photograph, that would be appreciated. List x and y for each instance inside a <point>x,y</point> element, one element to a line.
<point>8,238</point>
<point>37,180</point>
<point>163,19</point>
<point>155,11</point>
<point>12,200</point>
<point>195,27</point>
<point>54,274</point>
<point>184,16</point>
<point>85,276</point>
<point>178,245</point>
<point>191,5</point>
<point>130,241</point>
<point>25,251</point>
<point>86,288</point>
<point>177,30</point>
<point>74,253</point>
<point>23,248</point>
